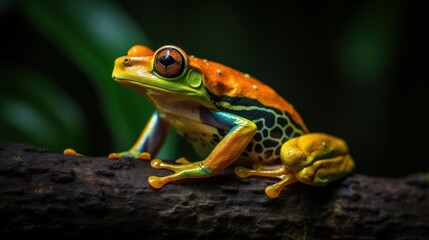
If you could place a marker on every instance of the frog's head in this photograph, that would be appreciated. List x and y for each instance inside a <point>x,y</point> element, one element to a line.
<point>164,71</point>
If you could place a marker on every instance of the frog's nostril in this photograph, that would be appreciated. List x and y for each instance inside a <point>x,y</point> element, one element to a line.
<point>126,61</point>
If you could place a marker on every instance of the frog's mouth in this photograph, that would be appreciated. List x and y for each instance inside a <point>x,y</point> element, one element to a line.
<point>173,90</point>
<point>142,86</point>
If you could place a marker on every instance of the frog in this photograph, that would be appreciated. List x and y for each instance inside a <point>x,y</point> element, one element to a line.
<point>230,118</point>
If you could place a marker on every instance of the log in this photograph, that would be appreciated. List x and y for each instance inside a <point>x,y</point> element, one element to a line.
<point>50,195</point>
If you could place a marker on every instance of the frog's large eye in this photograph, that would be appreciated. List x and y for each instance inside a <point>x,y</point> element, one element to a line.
<point>169,62</point>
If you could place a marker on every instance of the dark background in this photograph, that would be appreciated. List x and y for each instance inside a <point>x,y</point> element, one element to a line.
<point>355,69</point>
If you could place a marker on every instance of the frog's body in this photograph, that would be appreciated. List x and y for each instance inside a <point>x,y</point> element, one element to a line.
<point>275,119</point>
<point>229,117</point>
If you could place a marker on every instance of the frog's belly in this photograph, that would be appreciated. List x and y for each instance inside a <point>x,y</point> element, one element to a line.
<point>265,156</point>
<point>202,137</point>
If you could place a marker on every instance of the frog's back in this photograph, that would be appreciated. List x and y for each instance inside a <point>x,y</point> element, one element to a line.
<point>232,87</point>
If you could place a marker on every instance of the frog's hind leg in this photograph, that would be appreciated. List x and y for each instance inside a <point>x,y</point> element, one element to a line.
<point>285,175</point>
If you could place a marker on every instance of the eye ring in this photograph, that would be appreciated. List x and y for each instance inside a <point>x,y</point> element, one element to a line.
<point>169,62</point>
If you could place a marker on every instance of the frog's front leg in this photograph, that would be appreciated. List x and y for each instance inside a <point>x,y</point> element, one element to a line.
<point>315,159</point>
<point>149,141</point>
<point>241,132</point>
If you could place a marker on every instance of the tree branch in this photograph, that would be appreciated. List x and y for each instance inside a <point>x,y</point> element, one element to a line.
<point>54,195</point>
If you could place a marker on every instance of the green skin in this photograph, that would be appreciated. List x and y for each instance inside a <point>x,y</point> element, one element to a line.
<point>224,129</point>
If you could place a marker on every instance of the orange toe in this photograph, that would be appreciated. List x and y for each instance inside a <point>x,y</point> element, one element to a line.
<point>144,156</point>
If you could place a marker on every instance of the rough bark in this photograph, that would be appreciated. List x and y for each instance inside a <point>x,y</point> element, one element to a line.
<point>57,196</point>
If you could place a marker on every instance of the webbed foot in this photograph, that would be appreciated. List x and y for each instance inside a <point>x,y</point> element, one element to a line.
<point>271,171</point>
<point>184,169</point>
<point>138,155</point>
<point>141,156</point>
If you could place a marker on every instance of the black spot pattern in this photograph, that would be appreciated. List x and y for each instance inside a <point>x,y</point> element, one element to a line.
<point>274,127</point>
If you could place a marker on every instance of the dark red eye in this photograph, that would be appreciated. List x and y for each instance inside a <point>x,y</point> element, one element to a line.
<point>169,62</point>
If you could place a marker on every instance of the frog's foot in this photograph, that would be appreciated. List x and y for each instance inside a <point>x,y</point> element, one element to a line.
<point>261,170</point>
<point>141,156</point>
<point>184,169</point>
<point>271,171</point>
<point>70,151</point>
<point>274,190</point>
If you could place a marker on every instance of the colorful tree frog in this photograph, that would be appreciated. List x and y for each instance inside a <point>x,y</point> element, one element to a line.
<point>229,118</point>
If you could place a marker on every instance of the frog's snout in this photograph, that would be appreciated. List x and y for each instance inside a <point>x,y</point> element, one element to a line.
<point>125,61</point>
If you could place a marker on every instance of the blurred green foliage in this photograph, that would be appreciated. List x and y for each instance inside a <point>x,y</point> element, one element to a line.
<point>28,114</point>
<point>91,34</point>
<point>353,69</point>
<point>367,46</point>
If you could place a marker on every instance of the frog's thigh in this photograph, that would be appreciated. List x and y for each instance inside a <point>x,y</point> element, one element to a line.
<point>327,170</point>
